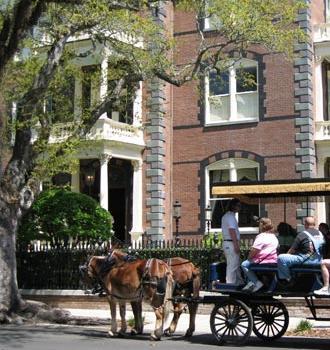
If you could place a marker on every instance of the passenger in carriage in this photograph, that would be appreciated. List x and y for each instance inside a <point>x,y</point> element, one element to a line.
<point>263,250</point>
<point>325,263</point>
<point>306,249</point>
<point>286,236</point>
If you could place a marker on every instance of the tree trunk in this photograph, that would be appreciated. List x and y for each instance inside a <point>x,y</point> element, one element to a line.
<point>10,299</point>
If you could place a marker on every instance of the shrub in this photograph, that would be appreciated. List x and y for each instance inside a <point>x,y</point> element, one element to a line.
<point>303,325</point>
<point>59,214</point>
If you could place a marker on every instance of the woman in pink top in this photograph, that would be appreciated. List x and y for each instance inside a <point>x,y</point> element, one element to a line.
<point>263,250</point>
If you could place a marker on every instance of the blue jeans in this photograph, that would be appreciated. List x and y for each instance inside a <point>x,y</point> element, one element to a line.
<point>284,261</point>
<point>250,275</point>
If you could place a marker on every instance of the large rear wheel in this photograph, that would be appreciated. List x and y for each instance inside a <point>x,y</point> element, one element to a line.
<point>270,321</point>
<point>231,322</point>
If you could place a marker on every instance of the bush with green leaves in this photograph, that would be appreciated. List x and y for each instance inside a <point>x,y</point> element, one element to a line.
<point>59,216</point>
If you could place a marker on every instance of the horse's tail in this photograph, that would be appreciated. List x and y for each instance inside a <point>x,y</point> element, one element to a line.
<point>168,295</point>
<point>196,282</point>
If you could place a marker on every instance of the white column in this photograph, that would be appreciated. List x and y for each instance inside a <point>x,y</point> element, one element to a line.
<point>104,78</point>
<point>137,229</point>
<point>104,81</point>
<point>104,159</point>
<point>75,179</point>
<point>318,90</point>
<point>137,107</point>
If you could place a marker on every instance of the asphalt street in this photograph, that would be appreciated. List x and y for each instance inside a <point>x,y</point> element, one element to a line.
<point>56,337</point>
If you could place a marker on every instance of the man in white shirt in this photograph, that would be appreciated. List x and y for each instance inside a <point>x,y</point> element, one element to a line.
<point>231,242</point>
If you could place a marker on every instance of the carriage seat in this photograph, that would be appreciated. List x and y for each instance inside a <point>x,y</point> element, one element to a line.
<point>306,268</point>
<point>267,267</point>
<point>297,268</point>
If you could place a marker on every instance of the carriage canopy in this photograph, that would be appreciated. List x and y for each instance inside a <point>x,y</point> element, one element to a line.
<point>274,189</point>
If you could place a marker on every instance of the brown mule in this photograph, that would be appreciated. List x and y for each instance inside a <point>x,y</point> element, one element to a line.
<point>187,284</point>
<point>149,280</point>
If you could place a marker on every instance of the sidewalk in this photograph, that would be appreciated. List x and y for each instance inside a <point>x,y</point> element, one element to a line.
<point>202,321</point>
<point>91,306</point>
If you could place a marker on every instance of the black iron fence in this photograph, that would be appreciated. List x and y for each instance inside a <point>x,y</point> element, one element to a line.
<point>45,267</point>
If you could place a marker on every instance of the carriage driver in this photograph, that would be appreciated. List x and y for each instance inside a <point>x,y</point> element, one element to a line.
<point>305,249</point>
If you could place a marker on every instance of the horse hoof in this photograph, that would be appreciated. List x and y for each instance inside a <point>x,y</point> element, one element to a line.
<point>134,331</point>
<point>188,334</point>
<point>167,332</point>
<point>121,334</point>
<point>111,334</point>
<point>154,337</point>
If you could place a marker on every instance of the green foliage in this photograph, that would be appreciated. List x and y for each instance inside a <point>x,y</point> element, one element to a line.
<point>303,325</point>
<point>137,40</point>
<point>266,22</point>
<point>212,240</point>
<point>59,214</point>
<point>131,321</point>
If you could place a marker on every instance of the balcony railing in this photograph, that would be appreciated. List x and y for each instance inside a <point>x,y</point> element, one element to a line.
<point>322,131</point>
<point>104,129</point>
<point>321,32</point>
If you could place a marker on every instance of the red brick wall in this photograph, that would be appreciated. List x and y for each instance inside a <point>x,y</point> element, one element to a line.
<point>272,138</point>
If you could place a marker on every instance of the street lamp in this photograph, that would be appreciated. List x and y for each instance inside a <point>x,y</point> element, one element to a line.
<point>177,216</point>
<point>208,217</point>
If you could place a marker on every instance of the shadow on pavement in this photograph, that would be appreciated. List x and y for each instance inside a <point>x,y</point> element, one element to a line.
<point>12,336</point>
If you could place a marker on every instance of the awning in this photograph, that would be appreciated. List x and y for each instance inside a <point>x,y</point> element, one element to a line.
<point>278,188</point>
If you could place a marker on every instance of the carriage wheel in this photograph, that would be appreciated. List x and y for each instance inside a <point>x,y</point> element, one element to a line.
<point>270,321</point>
<point>231,322</point>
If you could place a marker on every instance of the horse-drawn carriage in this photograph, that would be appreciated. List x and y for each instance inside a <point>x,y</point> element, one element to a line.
<point>235,313</point>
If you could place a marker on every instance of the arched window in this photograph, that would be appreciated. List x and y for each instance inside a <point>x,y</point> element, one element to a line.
<point>232,96</point>
<point>231,170</point>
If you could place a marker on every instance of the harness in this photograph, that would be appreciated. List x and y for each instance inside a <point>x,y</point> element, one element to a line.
<point>317,243</point>
<point>169,262</point>
<point>155,282</point>
<point>106,266</point>
<point>179,287</point>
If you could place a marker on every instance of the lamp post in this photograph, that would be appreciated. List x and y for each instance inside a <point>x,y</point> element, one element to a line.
<point>208,217</point>
<point>177,216</point>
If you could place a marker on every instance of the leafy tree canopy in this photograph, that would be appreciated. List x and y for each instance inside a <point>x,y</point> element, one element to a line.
<point>47,59</point>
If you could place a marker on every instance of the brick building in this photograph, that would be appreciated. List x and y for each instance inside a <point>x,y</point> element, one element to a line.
<point>226,131</point>
<point>175,143</point>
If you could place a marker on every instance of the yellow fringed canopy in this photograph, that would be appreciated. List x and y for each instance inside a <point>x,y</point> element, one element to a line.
<point>286,188</point>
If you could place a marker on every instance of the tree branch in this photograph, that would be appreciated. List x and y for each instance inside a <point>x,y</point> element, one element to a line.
<point>25,14</point>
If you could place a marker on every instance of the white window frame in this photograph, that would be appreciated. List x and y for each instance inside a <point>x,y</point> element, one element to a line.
<point>98,92</point>
<point>233,164</point>
<point>233,117</point>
